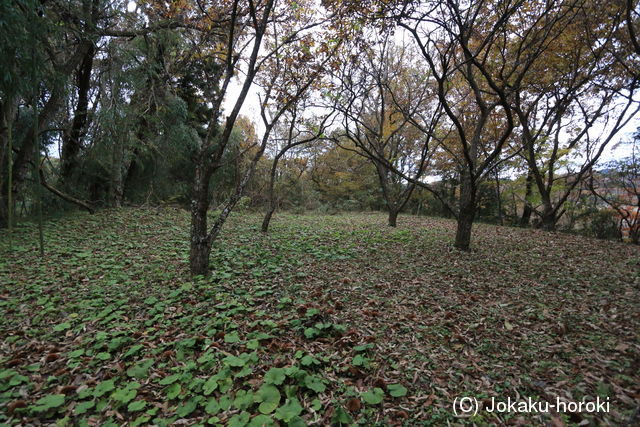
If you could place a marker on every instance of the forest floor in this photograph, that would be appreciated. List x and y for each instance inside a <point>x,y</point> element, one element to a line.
<point>325,320</point>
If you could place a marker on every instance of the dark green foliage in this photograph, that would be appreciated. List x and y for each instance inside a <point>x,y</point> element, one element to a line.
<point>603,224</point>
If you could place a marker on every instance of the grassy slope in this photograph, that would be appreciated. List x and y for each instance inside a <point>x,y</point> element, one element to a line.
<point>109,328</point>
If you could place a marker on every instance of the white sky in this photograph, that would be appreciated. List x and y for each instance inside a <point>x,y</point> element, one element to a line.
<point>251,109</point>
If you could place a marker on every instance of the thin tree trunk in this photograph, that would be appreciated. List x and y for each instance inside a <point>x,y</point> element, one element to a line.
<point>24,156</point>
<point>199,253</point>
<point>6,139</point>
<point>527,210</point>
<point>7,113</point>
<point>394,200</point>
<point>64,196</point>
<point>271,203</point>
<point>499,199</point>
<point>36,169</point>
<point>267,217</point>
<point>466,214</point>
<point>10,200</point>
<point>452,197</point>
<point>5,159</point>
<point>236,196</point>
<point>115,183</point>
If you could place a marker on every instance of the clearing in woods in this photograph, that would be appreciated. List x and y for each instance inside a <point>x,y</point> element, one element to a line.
<point>327,319</point>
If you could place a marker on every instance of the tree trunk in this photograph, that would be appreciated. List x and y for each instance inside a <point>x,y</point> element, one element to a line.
<point>72,141</point>
<point>466,214</point>
<point>267,217</point>
<point>548,221</point>
<point>527,211</point>
<point>393,217</point>
<point>271,203</point>
<point>548,218</point>
<point>200,249</point>
<point>116,183</point>
<point>499,199</point>
<point>201,238</point>
<point>6,159</point>
<point>24,156</point>
<point>7,113</point>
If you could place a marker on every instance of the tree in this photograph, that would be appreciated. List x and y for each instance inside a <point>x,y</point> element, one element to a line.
<point>464,52</point>
<point>241,31</point>
<point>482,56</point>
<point>295,132</point>
<point>575,102</point>
<point>387,112</point>
<point>343,179</point>
<point>20,62</point>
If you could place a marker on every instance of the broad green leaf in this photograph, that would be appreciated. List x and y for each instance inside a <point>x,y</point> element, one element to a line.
<point>170,379</point>
<point>234,361</point>
<point>289,410</point>
<point>373,397</point>
<point>173,391</point>
<point>232,338</point>
<point>269,396</point>
<point>49,402</point>
<point>261,421</point>
<point>275,376</point>
<point>76,353</point>
<point>103,388</point>
<point>309,361</point>
<point>314,383</point>
<point>239,420</point>
<point>140,370</point>
<point>210,386</point>
<point>340,417</point>
<point>83,407</point>
<point>212,407</point>
<point>397,390</point>
<point>133,350</point>
<point>188,407</point>
<point>243,399</point>
<point>62,327</point>
<point>138,405</point>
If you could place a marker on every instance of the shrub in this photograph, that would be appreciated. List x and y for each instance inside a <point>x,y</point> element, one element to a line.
<point>603,225</point>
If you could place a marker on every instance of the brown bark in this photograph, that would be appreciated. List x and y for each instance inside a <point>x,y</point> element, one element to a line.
<point>267,218</point>
<point>466,214</point>
<point>72,141</point>
<point>271,203</point>
<point>548,218</point>
<point>393,218</point>
<point>199,253</point>
<point>394,198</point>
<point>548,223</point>
<point>7,111</point>
<point>525,219</point>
